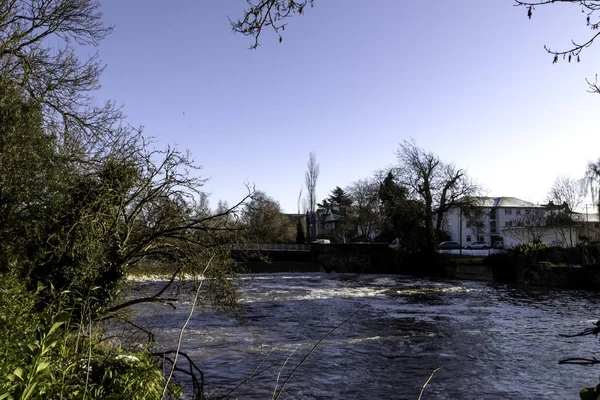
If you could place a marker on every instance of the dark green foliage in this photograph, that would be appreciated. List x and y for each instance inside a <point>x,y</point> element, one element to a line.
<point>17,321</point>
<point>345,263</point>
<point>300,235</point>
<point>77,221</point>
<point>264,221</point>
<point>27,166</point>
<point>337,202</point>
<point>590,393</point>
<point>529,253</point>
<point>84,198</point>
<point>403,217</point>
<point>52,354</point>
<point>499,260</point>
<point>339,198</point>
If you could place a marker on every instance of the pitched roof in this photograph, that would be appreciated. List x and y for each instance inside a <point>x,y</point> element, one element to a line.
<point>333,217</point>
<point>503,202</point>
<point>582,217</point>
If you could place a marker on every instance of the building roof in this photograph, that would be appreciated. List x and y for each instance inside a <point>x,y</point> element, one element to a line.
<point>294,218</point>
<point>504,202</point>
<point>331,217</point>
<point>583,217</point>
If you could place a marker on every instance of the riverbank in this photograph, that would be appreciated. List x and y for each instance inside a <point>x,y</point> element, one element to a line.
<point>449,266</point>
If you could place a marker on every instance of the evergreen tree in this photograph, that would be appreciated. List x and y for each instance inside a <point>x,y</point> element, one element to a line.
<point>300,235</point>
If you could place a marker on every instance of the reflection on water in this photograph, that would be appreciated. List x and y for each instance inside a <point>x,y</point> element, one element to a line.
<point>491,342</point>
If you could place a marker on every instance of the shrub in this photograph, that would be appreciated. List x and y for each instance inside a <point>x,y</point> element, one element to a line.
<point>54,353</point>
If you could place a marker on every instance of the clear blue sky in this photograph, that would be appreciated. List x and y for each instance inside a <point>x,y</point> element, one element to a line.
<point>467,79</point>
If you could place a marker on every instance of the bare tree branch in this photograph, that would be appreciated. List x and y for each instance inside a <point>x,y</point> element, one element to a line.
<point>267,13</point>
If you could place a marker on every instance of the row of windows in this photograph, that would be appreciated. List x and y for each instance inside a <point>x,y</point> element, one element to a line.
<point>480,238</point>
<point>508,211</point>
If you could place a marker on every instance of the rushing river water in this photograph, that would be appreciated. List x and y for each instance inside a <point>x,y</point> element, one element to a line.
<point>491,342</point>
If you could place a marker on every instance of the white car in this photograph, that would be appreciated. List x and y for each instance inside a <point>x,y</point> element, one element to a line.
<point>478,245</point>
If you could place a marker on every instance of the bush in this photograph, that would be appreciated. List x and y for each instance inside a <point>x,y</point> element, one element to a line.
<point>345,263</point>
<point>49,354</point>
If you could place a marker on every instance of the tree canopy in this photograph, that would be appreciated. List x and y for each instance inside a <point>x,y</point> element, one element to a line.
<point>84,197</point>
<point>264,221</point>
<point>439,185</point>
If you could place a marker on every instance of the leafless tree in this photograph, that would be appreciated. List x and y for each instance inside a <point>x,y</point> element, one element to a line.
<point>366,204</point>
<point>473,210</point>
<point>529,228</point>
<point>565,196</point>
<point>439,185</point>
<point>310,178</point>
<point>567,191</point>
<point>299,201</point>
<point>38,40</point>
<point>592,182</point>
<point>268,13</point>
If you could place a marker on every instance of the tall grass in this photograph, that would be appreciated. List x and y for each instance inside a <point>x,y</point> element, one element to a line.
<point>48,351</point>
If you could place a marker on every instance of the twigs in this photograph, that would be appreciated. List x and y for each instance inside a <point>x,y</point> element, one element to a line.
<point>281,369</point>
<point>589,331</point>
<point>151,299</point>
<point>275,397</point>
<point>428,380</point>
<point>154,298</point>
<point>267,13</point>
<point>193,371</point>
<point>254,373</point>
<point>580,361</point>
<point>141,328</point>
<point>183,329</point>
<point>588,7</point>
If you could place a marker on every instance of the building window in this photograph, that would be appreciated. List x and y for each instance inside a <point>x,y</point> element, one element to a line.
<point>596,225</point>
<point>518,212</point>
<point>508,224</point>
<point>468,238</point>
<point>492,224</point>
<point>527,211</point>
<point>507,211</point>
<point>480,238</point>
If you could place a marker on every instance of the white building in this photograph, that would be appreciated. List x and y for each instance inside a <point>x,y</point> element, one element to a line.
<point>507,219</point>
<point>589,226</point>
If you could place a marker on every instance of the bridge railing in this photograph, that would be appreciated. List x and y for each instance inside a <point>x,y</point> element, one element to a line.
<point>268,247</point>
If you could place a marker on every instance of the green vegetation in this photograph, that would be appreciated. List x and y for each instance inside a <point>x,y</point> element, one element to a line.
<point>84,200</point>
<point>57,352</point>
<point>264,222</point>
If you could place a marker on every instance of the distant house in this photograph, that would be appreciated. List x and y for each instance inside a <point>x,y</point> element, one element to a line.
<point>504,219</point>
<point>331,221</point>
<point>588,226</point>
<point>294,218</point>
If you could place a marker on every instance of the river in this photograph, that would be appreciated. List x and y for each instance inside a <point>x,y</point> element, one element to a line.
<point>489,341</point>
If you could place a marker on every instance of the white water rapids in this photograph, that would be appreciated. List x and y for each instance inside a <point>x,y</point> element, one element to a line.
<point>491,342</point>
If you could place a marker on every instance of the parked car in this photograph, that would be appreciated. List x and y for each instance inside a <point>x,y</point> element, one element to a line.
<point>449,245</point>
<point>499,244</point>
<point>478,245</point>
<point>322,241</point>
